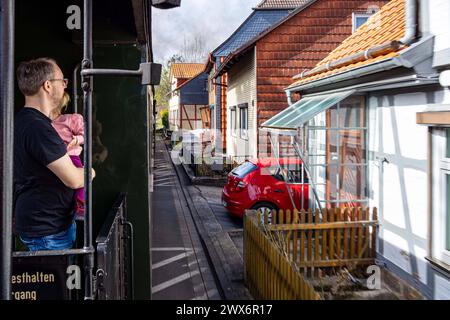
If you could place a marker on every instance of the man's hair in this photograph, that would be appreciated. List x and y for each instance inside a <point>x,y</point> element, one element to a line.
<point>32,74</point>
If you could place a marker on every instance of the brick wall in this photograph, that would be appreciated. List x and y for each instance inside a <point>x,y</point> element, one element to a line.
<point>299,44</point>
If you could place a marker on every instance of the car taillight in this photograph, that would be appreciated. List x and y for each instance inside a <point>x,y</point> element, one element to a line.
<point>241,185</point>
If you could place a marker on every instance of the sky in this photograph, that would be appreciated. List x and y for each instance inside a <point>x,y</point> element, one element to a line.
<point>215,20</point>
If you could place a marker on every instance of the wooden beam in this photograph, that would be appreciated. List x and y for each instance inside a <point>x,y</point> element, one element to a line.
<point>433,118</point>
<point>321,225</point>
<point>335,263</point>
<point>139,19</point>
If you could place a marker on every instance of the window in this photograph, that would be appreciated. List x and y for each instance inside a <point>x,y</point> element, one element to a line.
<point>447,214</point>
<point>359,19</point>
<point>441,197</point>
<point>243,120</point>
<point>233,121</point>
<point>244,169</point>
<point>336,150</point>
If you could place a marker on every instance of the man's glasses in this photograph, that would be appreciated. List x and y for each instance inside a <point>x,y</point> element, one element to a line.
<point>65,81</point>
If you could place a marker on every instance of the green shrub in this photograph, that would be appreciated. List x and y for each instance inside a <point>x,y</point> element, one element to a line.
<point>165,118</point>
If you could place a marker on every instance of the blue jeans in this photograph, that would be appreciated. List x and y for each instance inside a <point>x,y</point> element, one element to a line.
<point>58,241</point>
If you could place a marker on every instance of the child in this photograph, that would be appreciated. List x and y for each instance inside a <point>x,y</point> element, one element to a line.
<point>70,128</point>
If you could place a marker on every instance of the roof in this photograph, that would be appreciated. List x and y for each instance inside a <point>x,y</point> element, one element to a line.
<point>185,70</point>
<point>255,24</point>
<point>280,4</point>
<point>387,25</point>
<point>191,79</point>
<point>251,43</point>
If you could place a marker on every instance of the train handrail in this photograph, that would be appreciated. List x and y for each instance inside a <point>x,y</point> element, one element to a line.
<point>48,253</point>
<point>114,274</point>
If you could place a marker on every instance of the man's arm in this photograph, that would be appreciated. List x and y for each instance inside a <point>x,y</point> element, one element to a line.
<point>70,175</point>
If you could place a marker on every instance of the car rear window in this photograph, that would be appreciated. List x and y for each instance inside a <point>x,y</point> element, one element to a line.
<point>244,169</point>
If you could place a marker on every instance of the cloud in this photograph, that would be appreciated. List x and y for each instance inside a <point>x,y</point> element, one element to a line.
<point>215,20</point>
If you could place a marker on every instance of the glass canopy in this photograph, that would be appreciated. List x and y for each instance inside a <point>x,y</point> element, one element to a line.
<point>304,110</point>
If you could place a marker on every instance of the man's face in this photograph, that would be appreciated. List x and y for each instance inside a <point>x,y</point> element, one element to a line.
<point>56,88</point>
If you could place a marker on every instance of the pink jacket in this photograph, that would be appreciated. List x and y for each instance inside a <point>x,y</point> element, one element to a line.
<point>69,127</point>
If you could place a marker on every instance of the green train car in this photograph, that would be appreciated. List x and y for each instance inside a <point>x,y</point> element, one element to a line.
<point>104,48</point>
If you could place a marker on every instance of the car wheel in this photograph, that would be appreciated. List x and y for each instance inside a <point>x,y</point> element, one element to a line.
<point>265,207</point>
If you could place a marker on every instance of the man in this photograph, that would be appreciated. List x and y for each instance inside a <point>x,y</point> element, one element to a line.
<point>44,176</point>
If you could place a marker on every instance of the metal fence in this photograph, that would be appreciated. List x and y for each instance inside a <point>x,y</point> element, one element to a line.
<point>115,255</point>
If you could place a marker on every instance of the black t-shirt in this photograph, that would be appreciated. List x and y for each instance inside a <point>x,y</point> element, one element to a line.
<point>43,204</point>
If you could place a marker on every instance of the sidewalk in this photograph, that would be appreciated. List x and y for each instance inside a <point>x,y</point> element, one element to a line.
<point>222,235</point>
<point>180,268</point>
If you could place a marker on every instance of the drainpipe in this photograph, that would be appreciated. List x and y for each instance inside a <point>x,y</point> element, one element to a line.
<point>410,22</point>
<point>444,80</point>
<point>289,96</point>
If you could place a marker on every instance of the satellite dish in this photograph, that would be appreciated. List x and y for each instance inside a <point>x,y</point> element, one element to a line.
<point>166,4</point>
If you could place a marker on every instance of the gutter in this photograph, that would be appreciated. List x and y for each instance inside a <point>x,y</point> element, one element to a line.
<point>373,52</point>
<point>354,73</point>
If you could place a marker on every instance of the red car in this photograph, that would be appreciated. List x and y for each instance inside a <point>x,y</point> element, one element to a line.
<point>259,184</point>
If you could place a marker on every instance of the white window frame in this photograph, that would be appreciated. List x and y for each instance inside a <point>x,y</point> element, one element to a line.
<point>441,171</point>
<point>356,15</point>
<point>243,130</point>
<point>233,120</point>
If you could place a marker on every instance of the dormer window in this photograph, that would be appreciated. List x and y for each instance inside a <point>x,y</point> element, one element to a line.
<point>359,19</point>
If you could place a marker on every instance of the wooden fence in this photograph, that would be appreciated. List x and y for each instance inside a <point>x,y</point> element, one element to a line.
<point>268,272</point>
<point>311,243</point>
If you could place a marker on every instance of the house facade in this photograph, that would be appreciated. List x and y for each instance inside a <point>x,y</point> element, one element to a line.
<point>264,15</point>
<point>372,127</point>
<point>259,70</point>
<point>189,94</point>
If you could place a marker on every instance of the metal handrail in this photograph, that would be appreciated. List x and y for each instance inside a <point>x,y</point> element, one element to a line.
<point>49,253</point>
<point>115,277</point>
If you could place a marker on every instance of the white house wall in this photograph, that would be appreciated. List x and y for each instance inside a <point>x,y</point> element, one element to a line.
<point>398,183</point>
<point>174,112</point>
<point>242,89</point>
<point>435,20</point>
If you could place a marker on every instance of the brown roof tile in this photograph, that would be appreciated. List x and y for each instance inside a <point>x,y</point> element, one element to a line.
<point>185,70</point>
<point>386,25</point>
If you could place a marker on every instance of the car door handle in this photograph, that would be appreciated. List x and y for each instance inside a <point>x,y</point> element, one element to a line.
<point>278,190</point>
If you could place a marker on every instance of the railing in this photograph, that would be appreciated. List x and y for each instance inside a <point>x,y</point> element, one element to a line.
<point>285,252</point>
<point>115,255</point>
